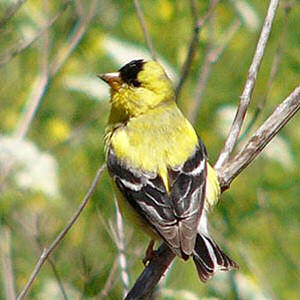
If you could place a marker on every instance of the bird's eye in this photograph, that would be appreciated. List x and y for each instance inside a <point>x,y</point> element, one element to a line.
<point>130,71</point>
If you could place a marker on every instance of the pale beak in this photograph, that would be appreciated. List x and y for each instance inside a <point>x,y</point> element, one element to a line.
<point>113,79</point>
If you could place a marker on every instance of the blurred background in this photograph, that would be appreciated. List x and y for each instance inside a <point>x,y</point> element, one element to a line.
<point>53,111</point>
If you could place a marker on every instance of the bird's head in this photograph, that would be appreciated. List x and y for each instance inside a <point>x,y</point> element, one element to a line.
<point>137,87</point>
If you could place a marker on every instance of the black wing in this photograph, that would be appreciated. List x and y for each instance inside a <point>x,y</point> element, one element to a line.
<point>174,215</point>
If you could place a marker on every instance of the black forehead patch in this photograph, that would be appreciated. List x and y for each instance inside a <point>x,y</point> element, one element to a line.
<point>130,71</point>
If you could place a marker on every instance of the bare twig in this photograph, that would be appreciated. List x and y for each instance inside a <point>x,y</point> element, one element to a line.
<point>249,86</point>
<point>274,70</point>
<point>58,239</point>
<point>143,287</point>
<point>260,139</point>
<point>7,269</point>
<point>198,24</point>
<point>7,57</point>
<point>37,241</point>
<point>211,57</point>
<point>144,28</point>
<point>10,12</point>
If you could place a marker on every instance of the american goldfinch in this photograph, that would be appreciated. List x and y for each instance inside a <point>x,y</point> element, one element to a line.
<point>159,166</point>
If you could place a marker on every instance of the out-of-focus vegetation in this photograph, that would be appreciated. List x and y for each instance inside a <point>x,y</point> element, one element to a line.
<point>44,176</point>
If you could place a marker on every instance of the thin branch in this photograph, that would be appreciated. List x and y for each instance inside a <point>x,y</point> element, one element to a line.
<point>144,28</point>
<point>145,284</point>
<point>282,114</point>
<point>58,239</point>
<point>10,12</point>
<point>211,57</point>
<point>274,69</point>
<point>4,59</point>
<point>249,86</point>
<point>37,241</point>
<point>198,24</point>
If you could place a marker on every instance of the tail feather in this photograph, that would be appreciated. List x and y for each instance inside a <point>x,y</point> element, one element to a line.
<point>209,258</point>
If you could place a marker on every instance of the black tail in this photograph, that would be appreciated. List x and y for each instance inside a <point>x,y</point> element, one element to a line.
<point>209,258</point>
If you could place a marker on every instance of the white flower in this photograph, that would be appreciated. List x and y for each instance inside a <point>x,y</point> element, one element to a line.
<point>31,168</point>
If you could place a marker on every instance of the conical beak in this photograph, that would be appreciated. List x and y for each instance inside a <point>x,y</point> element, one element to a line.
<point>113,79</point>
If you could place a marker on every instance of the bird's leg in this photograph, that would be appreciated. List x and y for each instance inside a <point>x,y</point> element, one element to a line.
<point>150,253</point>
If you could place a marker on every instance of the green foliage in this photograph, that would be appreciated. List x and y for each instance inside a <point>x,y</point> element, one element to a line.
<point>257,220</point>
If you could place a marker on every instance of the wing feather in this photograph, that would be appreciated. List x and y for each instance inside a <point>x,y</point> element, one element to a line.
<point>174,214</point>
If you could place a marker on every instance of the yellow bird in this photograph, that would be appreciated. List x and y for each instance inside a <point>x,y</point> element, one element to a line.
<point>159,166</point>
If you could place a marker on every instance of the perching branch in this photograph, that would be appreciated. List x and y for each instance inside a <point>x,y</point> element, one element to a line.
<point>249,86</point>
<point>145,284</point>
<point>147,281</point>
<point>51,248</point>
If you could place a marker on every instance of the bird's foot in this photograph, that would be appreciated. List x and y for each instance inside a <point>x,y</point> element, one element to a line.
<point>150,253</point>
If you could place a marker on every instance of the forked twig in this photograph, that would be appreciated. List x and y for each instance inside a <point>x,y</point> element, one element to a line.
<point>282,114</point>
<point>249,86</point>
<point>50,249</point>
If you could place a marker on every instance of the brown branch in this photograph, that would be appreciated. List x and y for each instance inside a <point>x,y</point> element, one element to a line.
<point>249,86</point>
<point>198,24</point>
<point>145,284</point>
<point>10,12</point>
<point>144,28</point>
<point>58,239</point>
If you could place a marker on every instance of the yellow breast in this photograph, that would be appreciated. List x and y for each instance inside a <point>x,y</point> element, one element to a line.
<point>155,141</point>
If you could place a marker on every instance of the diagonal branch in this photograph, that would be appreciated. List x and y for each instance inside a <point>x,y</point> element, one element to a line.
<point>46,253</point>
<point>249,86</point>
<point>145,284</point>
